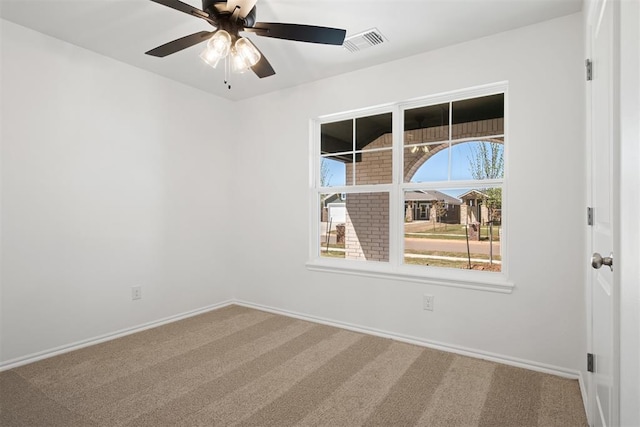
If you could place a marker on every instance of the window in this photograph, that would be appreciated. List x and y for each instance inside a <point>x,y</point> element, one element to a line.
<point>414,190</point>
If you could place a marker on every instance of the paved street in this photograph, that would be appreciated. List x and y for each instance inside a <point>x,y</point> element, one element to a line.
<point>444,245</point>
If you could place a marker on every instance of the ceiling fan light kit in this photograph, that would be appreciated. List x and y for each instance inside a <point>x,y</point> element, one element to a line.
<point>218,47</point>
<point>240,54</point>
<point>244,55</point>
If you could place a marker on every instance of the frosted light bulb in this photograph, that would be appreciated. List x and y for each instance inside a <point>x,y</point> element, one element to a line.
<point>217,48</point>
<point>244,55</point>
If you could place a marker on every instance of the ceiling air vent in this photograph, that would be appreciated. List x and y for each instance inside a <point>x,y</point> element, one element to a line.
<point>363,40</point>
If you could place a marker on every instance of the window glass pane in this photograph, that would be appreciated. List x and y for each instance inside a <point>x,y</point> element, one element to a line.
<point>478,117</point>
<point>425,163</point>
<point>336,137</point>
<point>373,167</point>
<point>374,132</point>
<point>355,226</point>
<point>332,225</point>
<point>333,170</point>
<point>426,124</point>
<point>438,225</point>
<point>477,160</point>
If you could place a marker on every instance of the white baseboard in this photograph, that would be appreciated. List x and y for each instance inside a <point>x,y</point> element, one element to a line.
<point>464,351</point>
<point>14,363</point>
<point>478,354</point>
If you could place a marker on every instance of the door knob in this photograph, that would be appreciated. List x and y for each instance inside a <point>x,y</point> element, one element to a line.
<point>598,261</point>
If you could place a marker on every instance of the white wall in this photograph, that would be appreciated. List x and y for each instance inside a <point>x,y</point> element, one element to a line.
<point>111,177</point>
<point>103,189</point>
<point>543,319</point>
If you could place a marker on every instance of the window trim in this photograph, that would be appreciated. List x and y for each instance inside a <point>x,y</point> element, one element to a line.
<point>395,268</point>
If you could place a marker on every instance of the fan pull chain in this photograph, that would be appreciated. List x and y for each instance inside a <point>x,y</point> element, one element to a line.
<point>227,72</point>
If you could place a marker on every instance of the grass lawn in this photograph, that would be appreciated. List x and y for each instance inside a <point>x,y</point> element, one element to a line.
<point>449,231</point>
<point>463,263</point>
<point>452,264</point>
<point>332,254</point>
<point>323,246</point>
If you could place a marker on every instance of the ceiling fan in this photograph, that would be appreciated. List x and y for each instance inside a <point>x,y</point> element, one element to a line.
<point>232,17</point>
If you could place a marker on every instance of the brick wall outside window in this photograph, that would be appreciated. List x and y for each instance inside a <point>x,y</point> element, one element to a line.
<point>367,221</point>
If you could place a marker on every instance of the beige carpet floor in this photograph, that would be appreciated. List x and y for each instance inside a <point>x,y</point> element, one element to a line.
<point>239,366</point>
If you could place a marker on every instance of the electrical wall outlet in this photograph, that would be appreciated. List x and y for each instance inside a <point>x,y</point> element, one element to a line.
<point>136,292</point>
<point>427,302</point>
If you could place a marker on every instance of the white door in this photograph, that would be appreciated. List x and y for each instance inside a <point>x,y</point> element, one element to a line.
<point>603,286</point>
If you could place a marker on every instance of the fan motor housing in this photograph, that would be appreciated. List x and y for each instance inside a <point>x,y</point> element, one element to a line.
<point>209,6</point>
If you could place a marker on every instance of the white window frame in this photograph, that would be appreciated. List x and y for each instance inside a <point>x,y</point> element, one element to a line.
<point>395,268</point>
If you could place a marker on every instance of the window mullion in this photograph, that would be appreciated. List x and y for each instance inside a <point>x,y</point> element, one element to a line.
<point>450,139</point>
<point>353,153</point>
<point>396,199</point>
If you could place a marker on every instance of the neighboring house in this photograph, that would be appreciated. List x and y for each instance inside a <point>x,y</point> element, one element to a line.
<point>333,207</point>
<point>421,206</point>
<point>474,208</point>
<point>337,212</point>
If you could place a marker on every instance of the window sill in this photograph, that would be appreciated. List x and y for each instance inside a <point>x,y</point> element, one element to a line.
<point>481,281</point>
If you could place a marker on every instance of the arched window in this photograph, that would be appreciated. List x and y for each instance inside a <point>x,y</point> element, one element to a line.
<point>481,158</point>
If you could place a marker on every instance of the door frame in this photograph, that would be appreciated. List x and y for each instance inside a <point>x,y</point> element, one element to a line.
<point>592,15</point>
<point>629,248</point>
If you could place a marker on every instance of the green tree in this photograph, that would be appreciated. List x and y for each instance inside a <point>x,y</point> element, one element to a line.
<point>440,211</point>
<point>325,179</point>
<point>325,173</point>
<point>494,203</point>
<point>487,162</point>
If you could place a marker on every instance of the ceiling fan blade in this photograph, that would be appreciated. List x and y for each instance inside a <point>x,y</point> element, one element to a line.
<point>299,32</point>
<point>245,6</point>
<point>262,68</point>
<point>188,9</point>
<point>179,44</point>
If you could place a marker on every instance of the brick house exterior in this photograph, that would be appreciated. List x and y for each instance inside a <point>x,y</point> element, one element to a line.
<point>367,226</point>
<point>420,205</point>
<point>473,210</point>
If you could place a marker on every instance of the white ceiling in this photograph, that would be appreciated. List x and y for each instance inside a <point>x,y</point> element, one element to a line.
<point>125,29</point>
